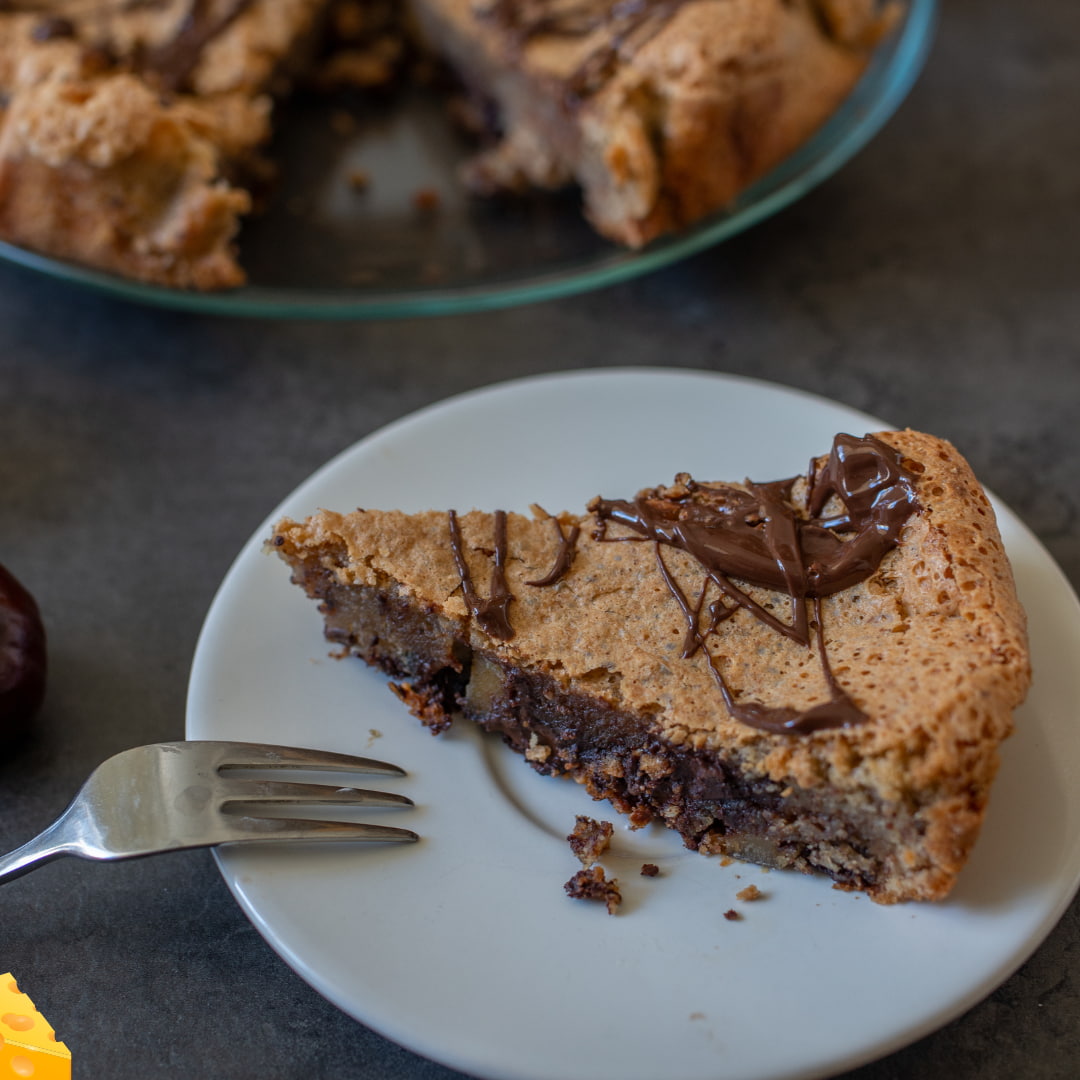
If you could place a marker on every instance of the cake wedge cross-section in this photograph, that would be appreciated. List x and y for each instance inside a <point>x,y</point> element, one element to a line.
<point>813,673</point>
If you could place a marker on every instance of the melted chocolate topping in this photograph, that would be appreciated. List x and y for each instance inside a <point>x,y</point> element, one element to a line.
<point>564,556</point>
<point>491,614</point>
<point>173,62</point>
<point>53,28</point>
<point>630,24</point>
<point>756,534</point>
<point>169,64</point>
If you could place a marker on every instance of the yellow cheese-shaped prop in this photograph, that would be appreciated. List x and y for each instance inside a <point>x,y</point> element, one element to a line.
<point>28,1045</point>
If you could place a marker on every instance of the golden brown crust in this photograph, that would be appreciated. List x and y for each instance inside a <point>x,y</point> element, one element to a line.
<point>99,171</point>
<point>932,647</point>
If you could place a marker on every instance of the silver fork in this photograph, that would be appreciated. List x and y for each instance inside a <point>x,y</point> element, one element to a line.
<point>169,796</point>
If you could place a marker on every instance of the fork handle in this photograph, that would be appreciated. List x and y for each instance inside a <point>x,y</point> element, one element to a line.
<point>46,846</point>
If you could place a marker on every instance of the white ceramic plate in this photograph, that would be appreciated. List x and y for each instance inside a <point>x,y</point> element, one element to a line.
<point>464,947</point>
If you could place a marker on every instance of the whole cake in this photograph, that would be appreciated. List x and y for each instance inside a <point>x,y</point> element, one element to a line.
<point>131,130</point>
<point>814,673</point>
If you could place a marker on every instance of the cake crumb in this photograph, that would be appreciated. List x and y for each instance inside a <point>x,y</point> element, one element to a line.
<point>726,860</point>
<point>650,869</point>
<point>593,885</point>
<point>732,915</point>
<point>751,892</point>
<point>537,751</point>
<point>590,839</point>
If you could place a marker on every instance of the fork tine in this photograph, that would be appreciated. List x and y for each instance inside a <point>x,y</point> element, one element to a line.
<point>171,796</point>
<point>249,828</point>
<point>261,756</point>
<point>276,791</point>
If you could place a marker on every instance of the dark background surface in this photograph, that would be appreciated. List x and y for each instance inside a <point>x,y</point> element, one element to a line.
<point>933,282</point>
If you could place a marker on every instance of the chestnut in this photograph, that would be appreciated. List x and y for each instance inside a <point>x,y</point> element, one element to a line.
<point>22,657</point>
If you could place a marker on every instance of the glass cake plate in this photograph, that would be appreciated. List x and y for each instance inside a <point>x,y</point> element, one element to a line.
<point>464,947</point>
<point>324,250</point>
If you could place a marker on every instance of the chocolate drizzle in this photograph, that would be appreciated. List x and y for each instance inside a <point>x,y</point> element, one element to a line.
<point>168,64</point>
<point>491,614</point>
<point>564,556</point>
<point>856,505</point>
<point>630,24</point>
<point>173,62</point>
<point>756,535</point>
<point>53,28</point>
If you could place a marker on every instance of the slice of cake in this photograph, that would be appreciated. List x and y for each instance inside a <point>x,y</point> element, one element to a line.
<point>812,673</point>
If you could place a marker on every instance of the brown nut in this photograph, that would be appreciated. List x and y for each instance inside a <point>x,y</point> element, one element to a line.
<point>22,658</point>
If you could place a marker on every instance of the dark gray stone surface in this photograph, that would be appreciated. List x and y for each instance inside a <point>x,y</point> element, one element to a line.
<point>933,282</point>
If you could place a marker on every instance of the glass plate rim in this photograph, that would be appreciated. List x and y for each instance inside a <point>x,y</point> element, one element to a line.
<point>879,94</point>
